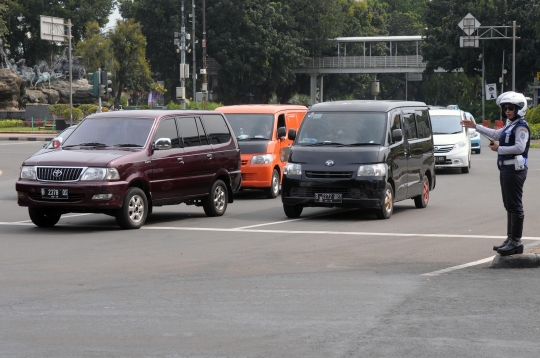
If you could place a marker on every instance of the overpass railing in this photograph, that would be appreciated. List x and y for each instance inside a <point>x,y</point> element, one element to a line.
<point>364,62</point>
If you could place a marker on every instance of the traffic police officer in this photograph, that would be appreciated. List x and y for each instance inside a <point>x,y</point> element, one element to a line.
<point>512,146</point>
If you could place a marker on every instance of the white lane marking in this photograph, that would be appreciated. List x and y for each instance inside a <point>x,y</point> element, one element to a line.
<point>289,220</point>
<point>62,217</point>
<point>474,263</point>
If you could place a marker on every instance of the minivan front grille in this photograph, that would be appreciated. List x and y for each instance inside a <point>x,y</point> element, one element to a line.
<point>329,175</point>
<point>443,148</point>
<point>58,173</point>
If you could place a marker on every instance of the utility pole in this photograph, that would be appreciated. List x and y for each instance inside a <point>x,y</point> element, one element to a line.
<point>203,70</point>
<point>70,75</point>
<point>183,58</point>
<point>193,42</point>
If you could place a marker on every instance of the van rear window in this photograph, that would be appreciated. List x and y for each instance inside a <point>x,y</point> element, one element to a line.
<point>341,128</point>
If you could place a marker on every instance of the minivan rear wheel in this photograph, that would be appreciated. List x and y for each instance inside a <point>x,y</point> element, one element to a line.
<point>215,203</point>
<point>134,211</point>
<point>273,191</point>
<point>42,218</point>
<point>387,203</point>
<point>293,211</point>
<point>421,201</point>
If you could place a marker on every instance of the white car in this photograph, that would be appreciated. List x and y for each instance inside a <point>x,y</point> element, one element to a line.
<point>452,141</point>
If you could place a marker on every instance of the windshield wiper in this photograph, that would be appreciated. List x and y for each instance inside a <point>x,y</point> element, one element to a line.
<point>440,133</point>
<point>254,138</point>
<point>321,143</point>
<point>89,144</point>
<point>127,145</point>
<point>359,144</point>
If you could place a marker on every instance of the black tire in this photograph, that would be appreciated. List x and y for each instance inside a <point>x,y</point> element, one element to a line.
<point>215,203</point>
<point>273,191</point>
<point>387,203</point>
<point>422,200</point>
<point>42,218</point>
<point>293,211</point>
<point>134,210</point>
<point>478,151</point>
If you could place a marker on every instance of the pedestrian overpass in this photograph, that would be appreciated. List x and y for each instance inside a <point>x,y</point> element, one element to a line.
<point>412,65</point>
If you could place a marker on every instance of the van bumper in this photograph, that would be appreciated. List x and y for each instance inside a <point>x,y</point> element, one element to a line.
<point>257,175</point>
<point>364,193</point>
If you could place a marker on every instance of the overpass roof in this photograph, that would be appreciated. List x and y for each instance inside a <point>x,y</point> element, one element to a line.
<point>380,39</point>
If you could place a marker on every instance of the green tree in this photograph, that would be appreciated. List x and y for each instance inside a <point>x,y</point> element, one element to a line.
<point>95,49</point>
<point>128,46</point>
<point>23,22</point>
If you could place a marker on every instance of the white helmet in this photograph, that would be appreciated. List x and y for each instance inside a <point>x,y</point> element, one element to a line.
<point>517,99</point>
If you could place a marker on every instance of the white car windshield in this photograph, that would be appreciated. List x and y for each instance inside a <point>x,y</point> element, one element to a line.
<point>446,124</point>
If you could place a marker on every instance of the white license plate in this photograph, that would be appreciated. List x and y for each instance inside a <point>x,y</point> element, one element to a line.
<point>328,197</point>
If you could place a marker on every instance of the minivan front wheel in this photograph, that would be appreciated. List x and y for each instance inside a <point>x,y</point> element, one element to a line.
<point>215,203</point>
<point>422,200</point>
<point>42,218</point>
<point>293,211</point>
<point>134,211</point>
<point>273,191</point>
<point>387,203</point>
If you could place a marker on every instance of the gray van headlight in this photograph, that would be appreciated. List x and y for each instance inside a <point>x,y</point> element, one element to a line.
<point>292,169</point>
<point>372,170</point>
<point>100,174</point>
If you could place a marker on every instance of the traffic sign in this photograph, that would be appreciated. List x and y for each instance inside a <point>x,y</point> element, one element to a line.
<point>469,24</point>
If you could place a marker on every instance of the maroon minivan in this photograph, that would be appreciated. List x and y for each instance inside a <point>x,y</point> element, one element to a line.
<point>124,163</point>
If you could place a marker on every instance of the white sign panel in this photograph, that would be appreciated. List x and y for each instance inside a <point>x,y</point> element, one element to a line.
<point>52,28</point>
<point>491,91</point>
<point>469,24</point>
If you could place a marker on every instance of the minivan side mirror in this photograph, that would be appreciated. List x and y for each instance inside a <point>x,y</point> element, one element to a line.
<point>397,135</point>
<point>292,134</point>
<point>281,132</point>
<point>162,144</point>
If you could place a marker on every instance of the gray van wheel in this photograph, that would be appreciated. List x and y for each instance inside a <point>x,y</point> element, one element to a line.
<point>273,191</point>
<point>293,211</point>
<point>215,203</point>
<point>387,203</point>
<point>42,218</point>
<point>422,200</point>
<point>134,211</point>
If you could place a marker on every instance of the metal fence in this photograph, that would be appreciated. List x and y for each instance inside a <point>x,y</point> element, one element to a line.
<point>365,62</point>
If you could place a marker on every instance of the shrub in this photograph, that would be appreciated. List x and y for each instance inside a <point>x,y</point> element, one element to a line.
<point>535,131</point>
<point>533,115</point>
<point>144,106</point>
<point>77,113</point>
<point>10,123</point>
<point>37,123</point>
<point>123,101</point>
<point>199,105</point>
<point>58,109</point>
<point>104,109</point>
<point>172,105</point>
<point>88,109</point>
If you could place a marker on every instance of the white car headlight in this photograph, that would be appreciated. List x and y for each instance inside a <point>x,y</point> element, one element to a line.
<point>28,172</point>
<point>292,169</point>
<point>460,144</point>
<point>262,159</point>
<point>372,170</point>
<point>100,174</point>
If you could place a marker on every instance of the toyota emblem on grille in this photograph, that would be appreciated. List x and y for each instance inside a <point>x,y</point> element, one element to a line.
<point>329,163</point>
<point>436,149</point>
<point>57,173</point>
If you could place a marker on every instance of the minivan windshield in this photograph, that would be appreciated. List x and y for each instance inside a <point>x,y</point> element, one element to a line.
<point>111,132</point>
<point>342,128</point>
<point>251,126</point>
<point>448,124</point>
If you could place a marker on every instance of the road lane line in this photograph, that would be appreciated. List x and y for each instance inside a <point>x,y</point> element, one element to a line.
<point>474,263</point>
<point>62,217</point>
<point>291,220</point>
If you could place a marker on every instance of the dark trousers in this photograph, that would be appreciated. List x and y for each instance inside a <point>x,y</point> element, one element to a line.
<point>512,188</point>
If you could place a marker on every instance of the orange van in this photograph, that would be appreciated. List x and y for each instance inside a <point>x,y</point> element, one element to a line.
<point>261,130</point>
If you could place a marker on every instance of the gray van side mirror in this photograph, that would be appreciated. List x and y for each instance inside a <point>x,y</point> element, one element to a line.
<point>397,135</point>
<point>281,132</point>
<point>292,134</point>
<point>163,143</point>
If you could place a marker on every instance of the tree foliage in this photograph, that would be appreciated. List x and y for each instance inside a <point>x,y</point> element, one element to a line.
<point>95,49</point>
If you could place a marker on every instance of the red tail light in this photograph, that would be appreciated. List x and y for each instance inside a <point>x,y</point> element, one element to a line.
<point>56,143</point>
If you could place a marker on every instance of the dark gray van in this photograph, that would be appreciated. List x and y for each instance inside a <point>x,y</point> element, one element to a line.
<point>360,154</point>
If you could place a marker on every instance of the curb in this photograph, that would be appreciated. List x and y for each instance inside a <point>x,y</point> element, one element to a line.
<point>516,261</point>
<point>28,139</point>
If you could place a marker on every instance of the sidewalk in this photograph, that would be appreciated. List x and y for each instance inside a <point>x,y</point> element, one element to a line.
<point>29,136</point>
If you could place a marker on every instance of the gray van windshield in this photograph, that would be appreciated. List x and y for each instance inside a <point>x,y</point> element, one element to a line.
<point>342,128</point>
<point>446,124</point>
<point>251,126</point>
<point>112,131</point>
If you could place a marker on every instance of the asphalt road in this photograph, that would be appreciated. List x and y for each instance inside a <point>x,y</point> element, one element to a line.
<point>333,283</point>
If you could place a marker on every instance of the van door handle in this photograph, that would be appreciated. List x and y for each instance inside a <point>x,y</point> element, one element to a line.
<point>209,156</point>
<point>180,159</point>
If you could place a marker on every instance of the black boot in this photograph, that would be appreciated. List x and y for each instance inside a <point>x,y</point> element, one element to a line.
<point>514,246</point>
<point>508,231</point>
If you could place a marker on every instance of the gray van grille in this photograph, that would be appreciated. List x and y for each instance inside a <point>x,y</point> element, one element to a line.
<point>329,175</point>
<point>58,173</point>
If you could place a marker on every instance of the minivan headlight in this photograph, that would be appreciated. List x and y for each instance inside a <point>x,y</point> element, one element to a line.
<point>372,170</point>
<point>262,159</point>
<point>460,144</point>
<point>292,169</point>
<point>100,174</point>
<point>28,172</point>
